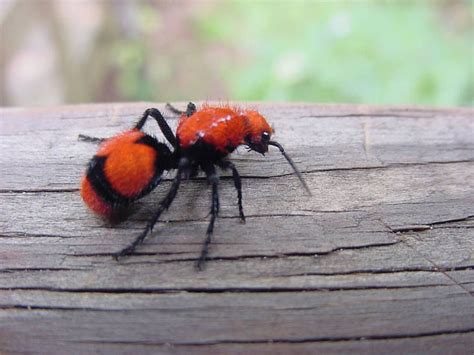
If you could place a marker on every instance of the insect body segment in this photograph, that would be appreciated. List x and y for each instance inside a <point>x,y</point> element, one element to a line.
<point>220,127</point>
<point>124,168</point>
<point>224,128</point>
<point>259,132</point>
<point>130,165</point>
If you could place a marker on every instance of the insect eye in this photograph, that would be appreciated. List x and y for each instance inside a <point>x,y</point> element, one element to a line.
<point>265,136</point>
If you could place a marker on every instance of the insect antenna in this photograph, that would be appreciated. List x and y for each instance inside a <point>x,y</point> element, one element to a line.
<point>290,161</point>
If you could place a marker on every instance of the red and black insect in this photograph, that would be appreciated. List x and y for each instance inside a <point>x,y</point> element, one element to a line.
<point>130,165</point>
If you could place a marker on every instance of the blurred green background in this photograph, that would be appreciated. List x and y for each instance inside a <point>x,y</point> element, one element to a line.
<point>360,51</point>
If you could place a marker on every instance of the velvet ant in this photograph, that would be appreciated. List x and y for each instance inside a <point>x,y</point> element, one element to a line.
<point>130,165</point>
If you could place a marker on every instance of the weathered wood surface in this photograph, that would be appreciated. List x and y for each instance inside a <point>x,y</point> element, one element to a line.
<point>379,259</point>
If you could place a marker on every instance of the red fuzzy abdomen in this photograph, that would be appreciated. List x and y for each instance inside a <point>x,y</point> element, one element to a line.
<point>223,128</point>
<point>121,170</point>
<point>129,166</point>
<point>93,200</point>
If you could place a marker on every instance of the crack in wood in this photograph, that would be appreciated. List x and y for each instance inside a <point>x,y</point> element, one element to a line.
<point>213,290</point>
<point>181,291</point>
<point>368,115</point>
<point>429,226</point>
<point>14,270</point>
<point>266,177</point>
<point>383,271</point>
<point>250,256</point>
<point>381,167</point>
<point>443,270</point>
<point>34,191</point>
<point>290,340</point>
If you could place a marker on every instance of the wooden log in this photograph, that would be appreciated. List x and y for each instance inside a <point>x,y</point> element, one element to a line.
<point>379,259</point>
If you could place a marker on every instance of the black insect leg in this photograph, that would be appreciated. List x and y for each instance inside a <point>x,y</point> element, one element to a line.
<point>213,179</point>
<point>84,138</point>
<point>165,128</point>
<point>225,164</point>
<point>190,109</point>
<point>164,205</point>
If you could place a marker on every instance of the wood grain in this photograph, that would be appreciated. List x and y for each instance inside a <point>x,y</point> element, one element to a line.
<point>379,259</point>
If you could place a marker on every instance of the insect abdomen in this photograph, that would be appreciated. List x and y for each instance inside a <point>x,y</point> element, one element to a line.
<point>125,168</point>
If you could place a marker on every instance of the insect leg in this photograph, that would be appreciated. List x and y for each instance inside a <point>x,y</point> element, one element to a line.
<point>164,205</point>
<point>213,179</point>
<point>225,164</point>
<point>164,127</point>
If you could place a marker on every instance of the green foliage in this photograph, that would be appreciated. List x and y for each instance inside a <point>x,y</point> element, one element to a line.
<point>358,51</point>
<point>132,81</point>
